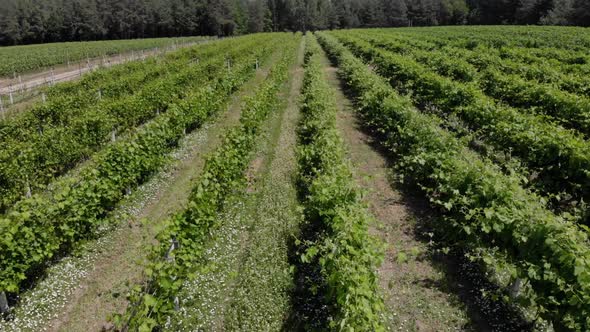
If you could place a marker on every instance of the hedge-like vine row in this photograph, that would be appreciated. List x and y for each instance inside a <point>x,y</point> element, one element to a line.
<point>224,172</point>
<point>525,61</point>
<point>125,78</point>
<point>55,137</point>
<point>347,255</point>
<point>561,158</point>
<point>570,109</point>
<point>40,227</point>
<point>31,57</point>
<point>483,207</point>
<point>558,46</point>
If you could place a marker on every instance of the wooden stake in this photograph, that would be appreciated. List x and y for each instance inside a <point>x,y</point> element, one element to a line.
<point>515,288</point>
<point>3,303</point>
<point>173,246</point>
<point>1,107</point>
<point>28,193</point>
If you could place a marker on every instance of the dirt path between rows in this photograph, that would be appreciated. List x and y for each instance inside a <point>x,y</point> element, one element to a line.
<point>415,290</point>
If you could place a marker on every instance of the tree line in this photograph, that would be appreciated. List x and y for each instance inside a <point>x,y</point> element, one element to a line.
<point>41,21</point>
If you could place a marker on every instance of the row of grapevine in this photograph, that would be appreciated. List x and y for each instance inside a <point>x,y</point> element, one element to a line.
<point>122,79</point>
<point>49,224</point>
<point>519,36</point>
<point>112,83</point>
<point>53,138</point>
<point>568,108</point>
<point>561,158</point>
<point>512,53</point>
<point>484,208</point>
<point>567,46</point>
<point>224,172</point>
<point>21,59</point>
<point>347,255</point>
<point>567,78</point>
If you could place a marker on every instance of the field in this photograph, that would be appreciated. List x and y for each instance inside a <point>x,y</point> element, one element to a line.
<point>22,59</point>
<point>411,179</point>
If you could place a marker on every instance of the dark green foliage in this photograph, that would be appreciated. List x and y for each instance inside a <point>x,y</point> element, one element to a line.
<point>560,156</point>
<point>75,116</point>
<point>223,174</point>
<point>344,251</point>
<point>483,208</point>
<point>40,227</point>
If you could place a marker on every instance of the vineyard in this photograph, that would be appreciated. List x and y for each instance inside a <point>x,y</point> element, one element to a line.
<point>22,59</point>
<point>412,179</point>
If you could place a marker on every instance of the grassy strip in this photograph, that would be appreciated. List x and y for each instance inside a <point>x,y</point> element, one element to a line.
<point>223,173</point>
<point>45,225</point>
<point>346,253</point>
<point>484,208</point>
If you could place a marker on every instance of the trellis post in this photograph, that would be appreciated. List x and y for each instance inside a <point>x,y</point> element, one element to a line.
<point>2,107</point>
<point>3,303</point>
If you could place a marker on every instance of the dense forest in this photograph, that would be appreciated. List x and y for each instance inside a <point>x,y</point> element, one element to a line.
<point>39,21</point>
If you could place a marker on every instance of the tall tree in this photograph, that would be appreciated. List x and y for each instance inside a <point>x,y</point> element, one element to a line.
<point>423,12</point>
<point>560,13</point>
<point>531,11</point>
<point>453,12</point>
<point>580,14</point>
<point>259,16</point>
<point>396,12</point>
